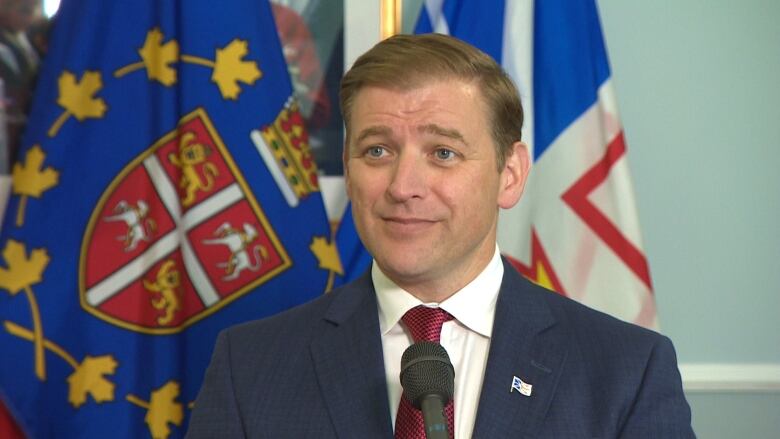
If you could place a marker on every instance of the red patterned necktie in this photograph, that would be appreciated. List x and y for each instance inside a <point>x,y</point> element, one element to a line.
<point>425,325</point>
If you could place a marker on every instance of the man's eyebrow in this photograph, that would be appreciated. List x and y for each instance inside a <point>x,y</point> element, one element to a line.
<point>373,131</point>
<point>438,130</point>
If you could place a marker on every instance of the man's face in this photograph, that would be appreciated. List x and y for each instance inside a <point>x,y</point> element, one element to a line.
<point>421,173</point>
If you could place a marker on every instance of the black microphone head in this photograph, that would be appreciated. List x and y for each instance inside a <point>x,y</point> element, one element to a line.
<point>425,370</point>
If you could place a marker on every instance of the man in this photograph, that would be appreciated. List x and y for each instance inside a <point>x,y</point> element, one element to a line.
<point>432,152</point>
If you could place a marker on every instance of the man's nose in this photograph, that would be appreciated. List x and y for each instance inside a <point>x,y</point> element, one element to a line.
<point>409,178</point>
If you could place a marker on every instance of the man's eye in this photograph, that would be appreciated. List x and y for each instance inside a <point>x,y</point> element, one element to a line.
<point>445,154</point>
<point>375,151</point>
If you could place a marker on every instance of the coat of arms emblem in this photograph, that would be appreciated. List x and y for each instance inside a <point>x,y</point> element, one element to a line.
<point>177,235</point>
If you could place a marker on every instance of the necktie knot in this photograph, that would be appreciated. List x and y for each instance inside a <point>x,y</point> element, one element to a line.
<point>425,323</point>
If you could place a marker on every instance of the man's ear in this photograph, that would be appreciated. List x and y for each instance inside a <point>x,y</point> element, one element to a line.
<point>514,175</point>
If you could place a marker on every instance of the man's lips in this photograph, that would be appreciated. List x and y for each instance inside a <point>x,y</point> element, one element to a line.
<point>407,220</point>
<point>407,226</point>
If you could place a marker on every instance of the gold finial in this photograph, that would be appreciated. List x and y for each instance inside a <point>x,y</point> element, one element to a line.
<point>391,18</point>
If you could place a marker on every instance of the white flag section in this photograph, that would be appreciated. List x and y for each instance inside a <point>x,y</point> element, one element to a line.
<point>576,229</point>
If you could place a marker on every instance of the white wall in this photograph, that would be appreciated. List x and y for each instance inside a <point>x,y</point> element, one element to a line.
<point>698,84</point>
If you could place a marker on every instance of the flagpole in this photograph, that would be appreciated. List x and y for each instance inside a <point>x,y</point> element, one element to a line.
<point>390,18</point>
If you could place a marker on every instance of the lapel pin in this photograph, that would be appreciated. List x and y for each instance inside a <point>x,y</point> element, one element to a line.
<point>521,386</point>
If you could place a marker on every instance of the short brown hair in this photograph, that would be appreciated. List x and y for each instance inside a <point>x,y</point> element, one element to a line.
<point>409,61</point>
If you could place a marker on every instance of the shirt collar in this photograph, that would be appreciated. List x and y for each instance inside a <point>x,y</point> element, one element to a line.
<point>473,306</point>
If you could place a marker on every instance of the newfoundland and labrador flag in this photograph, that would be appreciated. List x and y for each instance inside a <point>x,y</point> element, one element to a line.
<point>165,190</point>
<point>576,230</point>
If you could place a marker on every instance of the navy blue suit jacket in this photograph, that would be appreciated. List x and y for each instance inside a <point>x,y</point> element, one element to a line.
<point>317,371</point>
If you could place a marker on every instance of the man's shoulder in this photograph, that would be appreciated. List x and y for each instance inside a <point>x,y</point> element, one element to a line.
<point>633,370</point>
<point>303,320</point>
<point>587,323</point>
<point>296,317</point>
<point>590,319</point>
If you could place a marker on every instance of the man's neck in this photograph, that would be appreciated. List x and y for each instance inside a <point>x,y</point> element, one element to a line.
<point>437,289</point>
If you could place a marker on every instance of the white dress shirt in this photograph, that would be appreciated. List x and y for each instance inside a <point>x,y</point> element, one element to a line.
<point>466,338</point>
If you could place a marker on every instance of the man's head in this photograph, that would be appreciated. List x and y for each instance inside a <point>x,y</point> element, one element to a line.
<point>404,62</point>
<point>423,168</point>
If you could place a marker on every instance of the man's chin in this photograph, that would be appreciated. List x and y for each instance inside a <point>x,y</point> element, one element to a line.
<point>403,270</point>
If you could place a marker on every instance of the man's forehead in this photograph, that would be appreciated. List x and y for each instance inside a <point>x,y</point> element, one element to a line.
<point>416,82</point>
<point>382,94</point>
<point>359,126</point>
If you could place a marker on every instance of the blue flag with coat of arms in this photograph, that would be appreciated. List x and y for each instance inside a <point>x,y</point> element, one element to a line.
<point>165,190</point>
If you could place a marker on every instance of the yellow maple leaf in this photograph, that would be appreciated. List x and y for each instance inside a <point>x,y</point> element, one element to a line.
<point>29,179</point>
<point>327,255</point>
<point>89,379</point>
<point>158,57</point>
<point>22,272</point>
<point>78,98</point>
<point>163,409</point>
<point>229,69</point>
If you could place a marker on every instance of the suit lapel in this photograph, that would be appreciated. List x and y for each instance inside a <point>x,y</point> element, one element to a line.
<point>349,364</point>
<point>528,343</point>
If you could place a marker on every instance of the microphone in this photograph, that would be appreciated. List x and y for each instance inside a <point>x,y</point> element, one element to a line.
<point>428,380</point>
